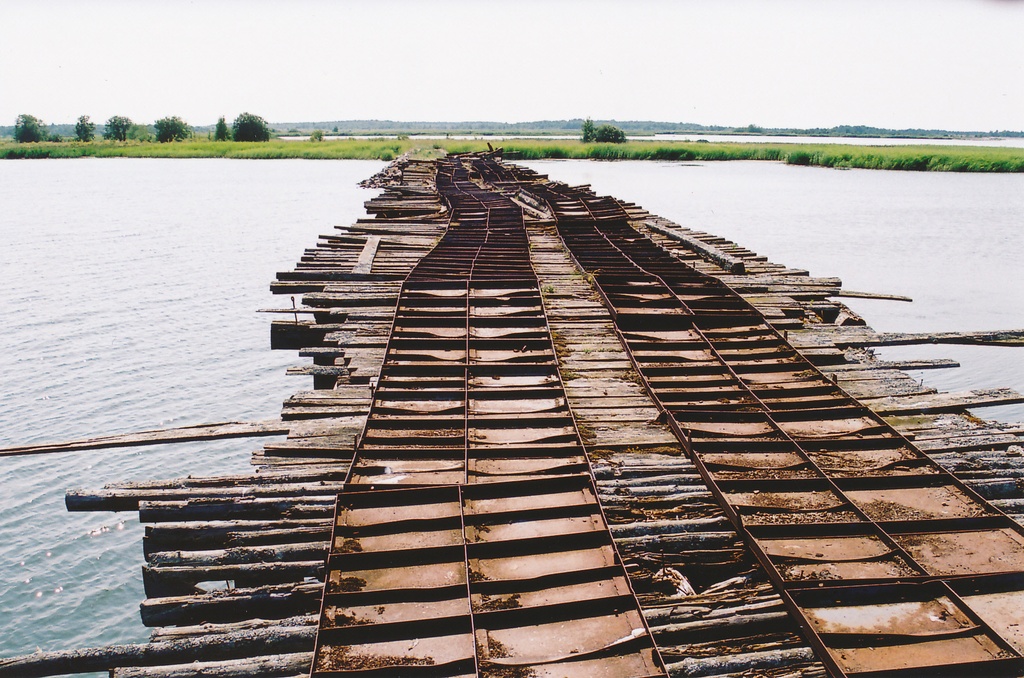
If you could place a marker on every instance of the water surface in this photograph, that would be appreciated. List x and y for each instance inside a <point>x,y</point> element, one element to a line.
<point>130,290</point>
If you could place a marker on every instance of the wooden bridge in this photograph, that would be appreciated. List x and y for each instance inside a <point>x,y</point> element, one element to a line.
<point>554,435</point>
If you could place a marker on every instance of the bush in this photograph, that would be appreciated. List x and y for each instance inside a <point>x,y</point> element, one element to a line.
<point>117,128</point>
<point>172,129</point>
<point>609,134</point>
<point>249,127</point>
<point>85,129</point>
<point>28,129</point>
<point>316,135</point>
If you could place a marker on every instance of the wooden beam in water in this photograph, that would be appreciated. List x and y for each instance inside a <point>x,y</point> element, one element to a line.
<point>935,364</point>
<point>850,294</point>
<point>943,402</point>
<point>182,434</point>
<point>994,338</point>
<point>220,647</point>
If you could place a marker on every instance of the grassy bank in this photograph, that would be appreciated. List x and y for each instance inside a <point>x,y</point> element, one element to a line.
<point>344,149</point>
<point>916,158</point>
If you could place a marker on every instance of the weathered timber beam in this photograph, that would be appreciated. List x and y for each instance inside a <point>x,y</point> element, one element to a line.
<point>247,509</point>
<point>936,364</point>
<point>184,434</point>
<point>122,499</point>
<point>658,527</point>
<point>995,338</point>
<point>233,605</point>
<point>705,250</point>
<point>227,534</point>
<point>176,632</point>
<point>241,554</point>
<point>702,609</point>
<point>296,665</point>
<point>159,582</point>
<point>870,295</point>
<point>724,627</point>
<point>752,662</point>
<point>219,647</point>
<point>943,402</point>
<point>265,476</point>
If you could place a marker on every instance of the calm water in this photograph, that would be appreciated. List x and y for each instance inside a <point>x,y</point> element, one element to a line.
<point>130,288</point>
<point>129,296</point>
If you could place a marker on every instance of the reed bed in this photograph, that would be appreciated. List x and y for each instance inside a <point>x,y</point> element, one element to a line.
<point>934,158</point>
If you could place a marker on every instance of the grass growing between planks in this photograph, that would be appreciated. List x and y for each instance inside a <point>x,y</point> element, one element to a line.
<point>933,158</point>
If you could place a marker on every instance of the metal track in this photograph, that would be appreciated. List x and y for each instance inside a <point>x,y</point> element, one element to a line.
<point>497,559</point>
<point>890,564</point>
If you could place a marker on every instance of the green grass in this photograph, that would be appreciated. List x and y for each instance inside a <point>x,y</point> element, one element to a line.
<point>916,158</point>
<point>345,149</point>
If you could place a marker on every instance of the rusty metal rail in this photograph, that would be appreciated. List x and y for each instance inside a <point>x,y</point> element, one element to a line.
<point>891,565</point>
<point>494,558</point>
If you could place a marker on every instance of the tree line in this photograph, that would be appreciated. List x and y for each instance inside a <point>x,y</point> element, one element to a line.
<point>246,127</point>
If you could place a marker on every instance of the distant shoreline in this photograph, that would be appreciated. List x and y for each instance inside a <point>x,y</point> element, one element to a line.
<point>933,157</point>
<point>571,127</point>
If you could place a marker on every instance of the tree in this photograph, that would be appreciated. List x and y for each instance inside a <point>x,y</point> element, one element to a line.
<point>250,127</point>
<point>172,129</point>
<point>85,129</point>
<point>609,134</point>
<point>221,132</point>
<point>28,129</point>
<point>316,135</point>
<point>117,128</point>
<point>588,131</point>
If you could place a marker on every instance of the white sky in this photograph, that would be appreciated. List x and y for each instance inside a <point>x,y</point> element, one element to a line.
<point>953,64</point>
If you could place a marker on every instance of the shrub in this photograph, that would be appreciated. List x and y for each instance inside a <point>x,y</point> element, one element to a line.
<point>172,129</point>
<point>28,129</point>
<point>316,135</point>
<point>250,127</point>
<point>117,128</point>
<point>798,158</point>
<point>609,134</point>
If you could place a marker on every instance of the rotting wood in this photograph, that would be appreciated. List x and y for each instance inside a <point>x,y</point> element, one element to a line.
<point>235,645</point>
<point>943,402</point>
<point>727,261</point>
<point>295,665</point>
<point>871,295</point>
<point>182,434</point>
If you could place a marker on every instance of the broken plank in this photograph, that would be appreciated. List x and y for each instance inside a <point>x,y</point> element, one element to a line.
<point>943,402</point>
<point>232,429</point>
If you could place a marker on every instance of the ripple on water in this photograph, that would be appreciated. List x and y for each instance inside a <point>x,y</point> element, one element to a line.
<point>128,308</point>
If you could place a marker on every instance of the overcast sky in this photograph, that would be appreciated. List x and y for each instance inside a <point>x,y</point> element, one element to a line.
<point>953,64</point>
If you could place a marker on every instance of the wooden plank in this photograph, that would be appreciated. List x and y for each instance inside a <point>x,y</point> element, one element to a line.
<point>183,434</point>
<point>943,402</point>
<point>870,295</point>
<point>936,364</point>
<point>365,261</point>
